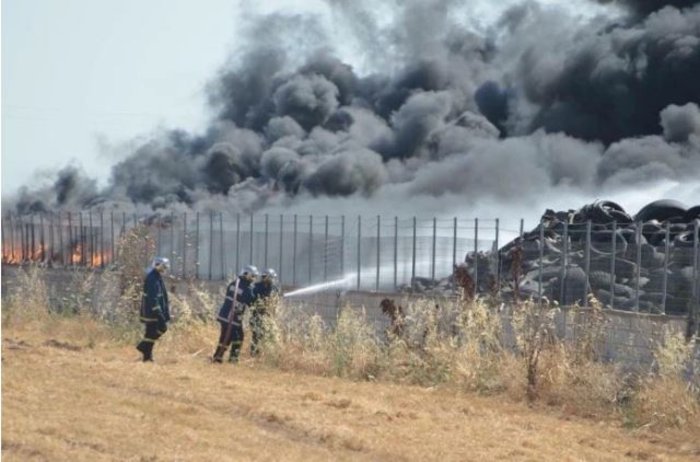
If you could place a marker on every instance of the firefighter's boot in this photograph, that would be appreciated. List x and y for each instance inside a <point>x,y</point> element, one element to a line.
<point>235,352</point>
<point>219,354</point>
<point>146,349</point>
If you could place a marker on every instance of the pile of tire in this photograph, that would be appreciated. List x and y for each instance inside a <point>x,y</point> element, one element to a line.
<point>643,262</point>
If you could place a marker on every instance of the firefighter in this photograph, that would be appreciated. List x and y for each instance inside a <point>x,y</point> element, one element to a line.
<point>239,296</point>
<point>263,290</point>
<point>155,311</point>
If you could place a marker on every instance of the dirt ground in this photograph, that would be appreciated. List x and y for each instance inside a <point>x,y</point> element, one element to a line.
<point>67,400</point>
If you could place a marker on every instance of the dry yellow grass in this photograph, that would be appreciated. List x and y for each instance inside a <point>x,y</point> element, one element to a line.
<point>71,393</point>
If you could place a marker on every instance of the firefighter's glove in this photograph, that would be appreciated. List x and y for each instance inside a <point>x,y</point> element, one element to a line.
<point>162,325</point>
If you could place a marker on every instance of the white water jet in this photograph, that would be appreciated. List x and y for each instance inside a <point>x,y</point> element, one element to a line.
<point>343,282</point>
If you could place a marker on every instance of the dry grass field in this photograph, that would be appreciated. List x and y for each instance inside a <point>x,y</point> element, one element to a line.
<point>73,387</point>
<point>70,392</point>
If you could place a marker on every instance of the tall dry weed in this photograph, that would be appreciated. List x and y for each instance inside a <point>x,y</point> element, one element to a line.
<point>29,298</point>
<point>669,396</point>
<point>534,327</point>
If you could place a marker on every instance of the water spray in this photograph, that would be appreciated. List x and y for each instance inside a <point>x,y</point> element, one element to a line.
<point>345,281</point>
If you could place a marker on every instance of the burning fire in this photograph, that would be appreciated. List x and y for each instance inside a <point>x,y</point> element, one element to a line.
<point>74,256</point>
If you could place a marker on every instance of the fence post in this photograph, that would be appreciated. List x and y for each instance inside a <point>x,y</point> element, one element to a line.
<point>379,223</point>
<point>639,264</point>
<point>53,237</point>
<point>454,243</point>
<point>498,256</point>
<point>22,239</point>
<point>4,245</point>
<point>12,237</point>
<point>413,257</point>
<point>359,249</point>
<point>42,241</point>
<point>342,245</point>
<point>31,257</point>
<point>311,247</point>
<point>92,240</point>
<point>70,238</point>
<point>294,253</point>
<point>564,263</point>
<point>60,238</point>
<point>196,247</point>
<point>396,251</point>
<point>221,244</point>
<point>8,253</point>
<point>522,227</point>
<point>667,249</point>
<point>238,243</point>
<point>184,245</point>
<point>612,265</point>
<point>279,271</point>
<point>267,237</point>
<point>113,256</point>
<point>159,234</point>
<point>82,240</point>
<point>30,235</point>
<point>696,269</point>
<point>211,243</point>
<point>540,263</point>
<point>102,238</point>
<point>476,257</point>
<point>325,251</point>
<point>432,272</point>
<point>252,242</point>
<point>587,262</point>
<point>173,253</point>
<point>29,227</point>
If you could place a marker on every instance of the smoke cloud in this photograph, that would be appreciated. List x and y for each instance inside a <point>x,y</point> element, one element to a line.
<point>544,102</point>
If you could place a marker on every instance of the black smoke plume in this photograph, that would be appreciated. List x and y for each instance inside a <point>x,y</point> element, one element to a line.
<point>542,100</point>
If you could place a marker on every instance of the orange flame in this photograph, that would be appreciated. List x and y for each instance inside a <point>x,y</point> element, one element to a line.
<point>13,256</point>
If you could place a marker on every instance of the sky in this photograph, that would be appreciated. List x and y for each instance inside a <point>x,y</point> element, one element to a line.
<point>79,76</point>
<point>99,84</point>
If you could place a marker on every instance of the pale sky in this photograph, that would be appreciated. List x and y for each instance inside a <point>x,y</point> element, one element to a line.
<point>80,73</point>
<point>76,70</point>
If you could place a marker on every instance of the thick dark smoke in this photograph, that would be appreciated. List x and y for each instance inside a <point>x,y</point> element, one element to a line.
<point>642,8</point>
<point>612,83</point>
<point>538,102</point>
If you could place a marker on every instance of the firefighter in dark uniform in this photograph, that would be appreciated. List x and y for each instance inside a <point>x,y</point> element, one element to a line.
<point>264,290</point>
<point>155,311</point>
<point>239,296</point>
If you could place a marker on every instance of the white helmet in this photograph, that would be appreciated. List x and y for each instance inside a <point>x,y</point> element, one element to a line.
<point>160,262</point>
<point>249,270</point>
<point>272,274</point>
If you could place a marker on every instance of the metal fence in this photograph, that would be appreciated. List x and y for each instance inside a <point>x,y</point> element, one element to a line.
<point>380,253</point>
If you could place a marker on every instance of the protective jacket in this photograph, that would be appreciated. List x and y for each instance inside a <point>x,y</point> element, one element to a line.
<point>243,299</point>
<point>262,290</point>
<point>155,298</point>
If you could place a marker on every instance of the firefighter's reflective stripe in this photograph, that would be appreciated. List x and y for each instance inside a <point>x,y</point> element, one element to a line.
<point>145,319</point>
<point>149,340</point>
<point>224,320</point>
<point>230,298</point>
